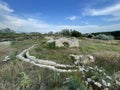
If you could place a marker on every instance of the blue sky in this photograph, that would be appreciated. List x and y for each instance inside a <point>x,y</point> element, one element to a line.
<point>55,15</point>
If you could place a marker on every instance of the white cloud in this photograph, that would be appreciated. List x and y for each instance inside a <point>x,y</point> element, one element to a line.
<point>113,19</point>
<point>33,25</point>
<point>72,18</point>
<point>4,8</point>
<point>25,25</point>
<point>112,10</point>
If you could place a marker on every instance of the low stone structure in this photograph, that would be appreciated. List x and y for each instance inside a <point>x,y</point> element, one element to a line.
<point>24,55</point>
<point>72,42</point>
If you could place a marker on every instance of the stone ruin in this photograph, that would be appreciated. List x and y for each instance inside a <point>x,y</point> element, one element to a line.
<point>72,42</point>
<point>82,59</point>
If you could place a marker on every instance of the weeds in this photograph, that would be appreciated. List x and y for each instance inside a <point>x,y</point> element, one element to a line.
<point>25,81</point>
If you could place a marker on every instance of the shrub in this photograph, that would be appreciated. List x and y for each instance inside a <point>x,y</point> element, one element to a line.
<point>103,37</point>
<point>75,84</point>
<point>50,45</point>
<point>108,60</point>
<point>75,33</point>
<point>66,32</point>
<point>26,81</point>
<point>72,33</point>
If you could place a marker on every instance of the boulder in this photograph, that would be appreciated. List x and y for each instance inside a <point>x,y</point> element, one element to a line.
<point>116,77</point>
<point>72,42</point>
<point>82,59</point>
<point>59,43</point>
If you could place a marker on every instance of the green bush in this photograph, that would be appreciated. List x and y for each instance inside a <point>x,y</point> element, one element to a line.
<point>75,33</point>
<point>50,45</point>
<point>73,84</point>
<point>66,32</point>
<point>71,33</point>
<point>26,81</point>
<point>103,37</point>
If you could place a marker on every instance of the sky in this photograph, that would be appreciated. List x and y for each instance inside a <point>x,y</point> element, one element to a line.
<point>44,16</point>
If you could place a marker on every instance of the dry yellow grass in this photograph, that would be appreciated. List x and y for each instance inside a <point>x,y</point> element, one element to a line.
<point>4,51</point>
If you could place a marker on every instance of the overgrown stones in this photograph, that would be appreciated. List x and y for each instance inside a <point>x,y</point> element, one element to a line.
<point>82,59</point>
<point>72,42</point>
<point>117,78</point>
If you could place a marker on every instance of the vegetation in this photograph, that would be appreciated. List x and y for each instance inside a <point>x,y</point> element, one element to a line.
<point>10,35</point>
<point>71,33</point>
<point>61,55</point>
<point>103,37</point>
<point>115,34</point>
<point>20,75</point>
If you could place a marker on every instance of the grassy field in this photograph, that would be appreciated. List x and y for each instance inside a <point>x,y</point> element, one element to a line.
<point>106,53</point>
<point>93,46</point>
<point>19,75</point>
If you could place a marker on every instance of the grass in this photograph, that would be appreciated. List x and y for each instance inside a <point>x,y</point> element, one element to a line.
<point>4,51</point>
<point>60,55</point>
<point>106,53</point>
<point>108,60</point>
<point>45,79</point>
<point>40,79</point>
<point>92,46</point>
<point>37,78</point>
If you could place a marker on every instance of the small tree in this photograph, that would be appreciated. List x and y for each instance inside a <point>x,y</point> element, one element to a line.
<point>75,33</point>
<point>70,32</point>
<point>66,32</point>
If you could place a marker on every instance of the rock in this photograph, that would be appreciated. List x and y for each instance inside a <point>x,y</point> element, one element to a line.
<point>49,38</point>
<point>59,43</point>
<point>72,42</point>
<point>116,77</point>
<point>86,59</point>
<point>104,82</point>
<point>108,77</point>
<point>98,84</point>
<point>89,80</point>
<point>91,58</point>
<point>50,41</point>
<point>6,59</point>
<point>82,59</point>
